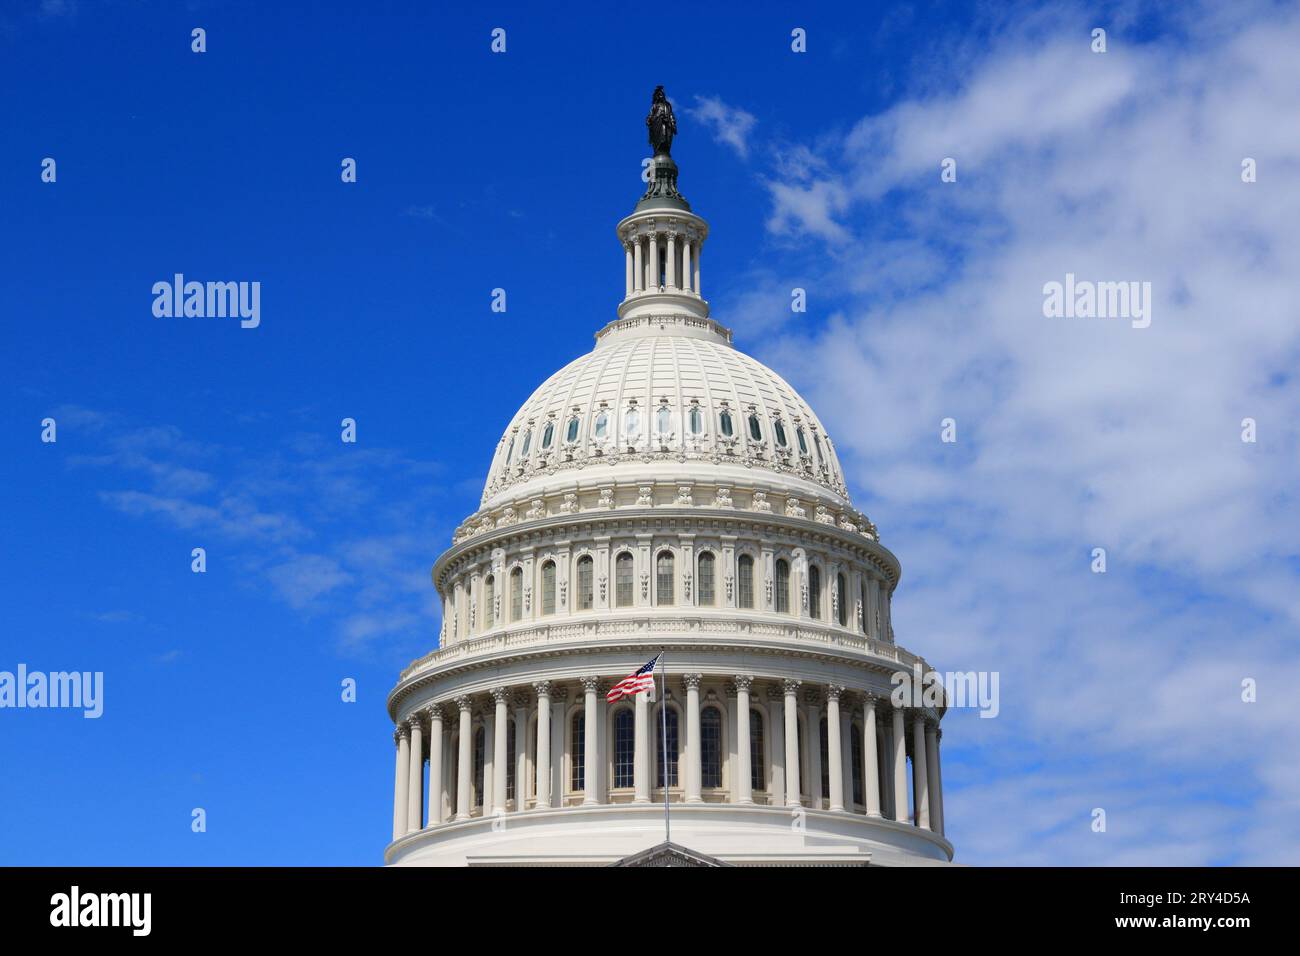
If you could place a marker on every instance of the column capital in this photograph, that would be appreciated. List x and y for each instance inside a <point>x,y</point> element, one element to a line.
<point>590,685</point>
<point>692,681</point>
<point>402,732</point>
<point>416,722</point>
<point>464,704</point>
<point>834,691</point>
<point>938,733</point>
<point>542,688</point>
<point>872,701</point>
<point>790,686</point>
<point>433,712</point>
<point>743,682</point>
<point>500,695</point>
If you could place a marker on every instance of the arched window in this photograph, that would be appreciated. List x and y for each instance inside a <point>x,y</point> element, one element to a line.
<point>585,594</point>
<point>745,581</point>
<point>696,420</point>
<point>528,440</point>
<point>779,429</point>
<point>577,740</point>
<point>664,420</point>
<point>842,599</point>
<point>823,744</point>
<point>632,424</point>
<point>517,594</point>
<point>855,747</point>
<point>548,435</point>
<point>624,748</point>
<point>670,718</point>
<point>510,761</point>
<point>755,428</point>
<point>623,583</point>
<point>803,440</point>
<point>571,434</point>
<point>664,578</point>
<point>704,589</point>
<point>710,747</point>
<point>783,586</point>
<point>602,424</point>
<point>489,601</point>
<point>724,422</point>
<point>757,772</point>
<point>815,592</point>
<point>479,739</point>
<point>548,587</point>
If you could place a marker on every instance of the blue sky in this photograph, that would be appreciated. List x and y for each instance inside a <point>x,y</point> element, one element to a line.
<point>478,171</point>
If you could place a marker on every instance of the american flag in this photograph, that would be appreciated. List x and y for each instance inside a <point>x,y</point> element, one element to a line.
<point>642,679</point>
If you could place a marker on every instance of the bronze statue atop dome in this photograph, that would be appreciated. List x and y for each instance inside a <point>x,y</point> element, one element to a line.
<point>661,123</point>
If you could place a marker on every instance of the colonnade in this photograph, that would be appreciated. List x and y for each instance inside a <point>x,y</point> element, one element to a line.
<point>554,744</point>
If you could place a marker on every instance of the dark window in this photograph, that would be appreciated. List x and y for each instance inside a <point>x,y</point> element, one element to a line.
<point>517,594</point>
<point>548,587</point>
<point>624,748</point>
<point>664,578</point>
<point>724,420</point>
<point>585,594</point>
<point>623,580</point>
<point>855,746</point>
<point>572,433</point>
<point>671,718</point>
<point>705,587</point>
<point>578,732</point>
<point>548,433</point>
<point>711,747</point>
<point>824,746</point>
<point>510,761</point>
<point>779,429</point>
<point>783,586</point>
<point>755,429</point>
<point>842,599</point>
<point>479,738</point>
<point>757,774</point>
<point>745,581</point>
<point>815,591</point>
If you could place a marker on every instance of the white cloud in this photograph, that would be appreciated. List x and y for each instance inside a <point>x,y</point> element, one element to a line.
<point>729,124</point>
<point>1122,690</point>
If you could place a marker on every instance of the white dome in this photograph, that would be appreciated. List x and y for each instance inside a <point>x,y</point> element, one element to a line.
<point>649,402</point>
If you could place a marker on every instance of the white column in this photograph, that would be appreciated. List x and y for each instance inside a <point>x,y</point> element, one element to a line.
<point>641,751</point>
<point>698,249</point>
<point>560,739</point>
<point>919,774</point>
<point>686,264</point>
<point>742,790</point>
<point>671,266</point>
<point>693,749</point>
<point>834,747</point>
<point>812,725</point>
<point>415,782</point>
<point>653,284</point>
<point>870,760</point>
<point>435,765</point>
<point>627,255</point>
<point>937,798</point>
<point>775,747</point>
<point>932,776</point>
<point>521,751</point>
<point>900,767</point>
<point>501,696</point>
<point>873,608</point>
<point>638,257</point>
<point>791,688</point>
<point>589,732</point>
<point>543,691</point>
<point>402,737</point>
<point>465,760</point>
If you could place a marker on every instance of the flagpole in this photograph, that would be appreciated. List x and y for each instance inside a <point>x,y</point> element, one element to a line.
<point>663,736</point>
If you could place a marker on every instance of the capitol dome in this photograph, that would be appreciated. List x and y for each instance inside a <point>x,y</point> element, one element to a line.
<point>664,396</point>
<point>667,499</point>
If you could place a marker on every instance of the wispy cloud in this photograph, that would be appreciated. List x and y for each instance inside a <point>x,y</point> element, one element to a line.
<point>729,124</point>
<point>1123,690</point>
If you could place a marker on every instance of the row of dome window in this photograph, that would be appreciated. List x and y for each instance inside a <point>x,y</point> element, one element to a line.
<point>665,594</point>
<point>663,425</point>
